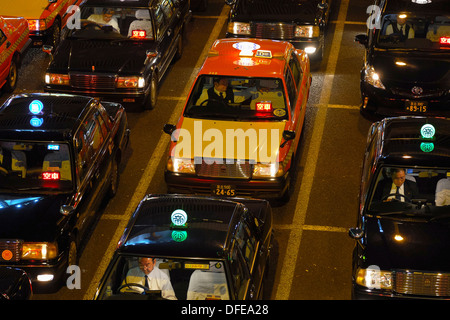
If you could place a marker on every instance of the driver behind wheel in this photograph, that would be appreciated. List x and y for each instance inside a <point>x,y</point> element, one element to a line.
<point>397,187</point>
<point>147,275</point>
<point>219,92</point>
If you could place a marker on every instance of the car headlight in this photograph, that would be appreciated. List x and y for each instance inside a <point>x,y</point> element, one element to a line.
<point>306,32</point>
<point>374,278</point>
<point>39,251</point>
<point>179,165</point>
<point>130,82</point>
<point>239,28</point>
<point>372,77</point>
<point>268,170</point>
<point>58,79</point>
<point>36,25</point>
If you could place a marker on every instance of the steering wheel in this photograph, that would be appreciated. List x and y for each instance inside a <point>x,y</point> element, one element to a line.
<point>213,100</point>
<point>395,194</point>
<point>130,285</point>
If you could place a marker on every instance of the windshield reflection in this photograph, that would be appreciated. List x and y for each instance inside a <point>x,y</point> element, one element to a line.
<point>237,98</point>
<point>412,31</point>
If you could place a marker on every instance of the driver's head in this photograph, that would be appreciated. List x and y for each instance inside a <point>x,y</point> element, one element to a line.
<point>146,264</point>
<point>221,84</point>
<point>398,176</point>
<point>108,14</point>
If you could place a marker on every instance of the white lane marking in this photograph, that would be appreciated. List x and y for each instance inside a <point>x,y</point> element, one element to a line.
<point>152,165</point>
<point>290,259</point>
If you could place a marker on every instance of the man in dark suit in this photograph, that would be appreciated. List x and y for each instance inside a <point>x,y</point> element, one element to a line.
<point>221,91</point>
<point>396,188</point>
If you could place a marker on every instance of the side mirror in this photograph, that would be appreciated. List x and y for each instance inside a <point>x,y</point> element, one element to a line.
<point>47,49</point>
<point>169,128</point>
<point>66,210</point>
<point>322,6</point>
<point>362,39</point>
<point>287,135</point>
<point>355,233</point>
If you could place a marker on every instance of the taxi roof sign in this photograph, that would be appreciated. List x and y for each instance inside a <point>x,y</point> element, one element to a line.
<point>263,54</point>
<point>246,48</point>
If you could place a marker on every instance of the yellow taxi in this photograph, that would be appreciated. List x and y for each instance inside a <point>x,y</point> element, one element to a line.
<point>241,125</point>
<point>45,17</point>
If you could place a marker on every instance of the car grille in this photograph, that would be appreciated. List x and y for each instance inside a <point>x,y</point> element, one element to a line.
<point>8,247</point>
<point>282,31</point>
<point>421,283</point>
<point>427,93</point>
<point>92,81</point>
<point>219,168</point>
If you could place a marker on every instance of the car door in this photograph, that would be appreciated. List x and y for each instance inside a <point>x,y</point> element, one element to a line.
<point>92,163</point>
<point>165,34</point>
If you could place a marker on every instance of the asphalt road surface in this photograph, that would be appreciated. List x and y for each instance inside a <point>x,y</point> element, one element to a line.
<point>313,249</point>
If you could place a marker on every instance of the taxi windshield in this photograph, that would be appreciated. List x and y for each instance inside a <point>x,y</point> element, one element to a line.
<point>215,97</point>
<point>114,23</point>
<point>27,166</point>
<point>167,278</point>
<point>415,31</point>
<point>421,192</point>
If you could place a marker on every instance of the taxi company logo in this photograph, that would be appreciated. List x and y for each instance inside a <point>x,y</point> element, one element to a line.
<point>215,145</point>
<point>417,90</point>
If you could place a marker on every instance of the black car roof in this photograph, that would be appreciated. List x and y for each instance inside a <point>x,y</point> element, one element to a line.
<point>207,233</point>
<point>281,10</point>
<point>60,116</point>
<point>403,143</point>
<point>119,3</point>
<point>415,6</point>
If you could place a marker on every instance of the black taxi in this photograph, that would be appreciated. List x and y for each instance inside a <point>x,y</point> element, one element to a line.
<point>402,237</point>
<point>192,248</point>
<point>406,62</point>
<point>14,284</point>
<point>119,50</point>
<point>59,158</point>
<point>303,23</point>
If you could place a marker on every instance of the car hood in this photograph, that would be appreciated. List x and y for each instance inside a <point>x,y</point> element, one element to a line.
<point>401,69</point>
<point>225,139</point>
<point>422,246</point>
<point>30,217</point>
<point>117,57</point>
<point>275,11</point>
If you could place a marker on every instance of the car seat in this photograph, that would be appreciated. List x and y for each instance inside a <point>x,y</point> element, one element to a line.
<point>143,22</point>
<point>208,284</point>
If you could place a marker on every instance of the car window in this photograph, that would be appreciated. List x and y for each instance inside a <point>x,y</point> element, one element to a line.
<point>296,70</point>
<point>241,99</point>
<point>35,165</point>
<point>430,32</point>
<point>82,153</point>
<point>239,273</point>
<point>114,23</point>
<point>95,133</point>
<point>247,244</point>
<point>2,37</point>
<point>291,88</point>
<point>161,21</point>
<point>183,279</point>
<point>424,190</point>
<point>167,7</point>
